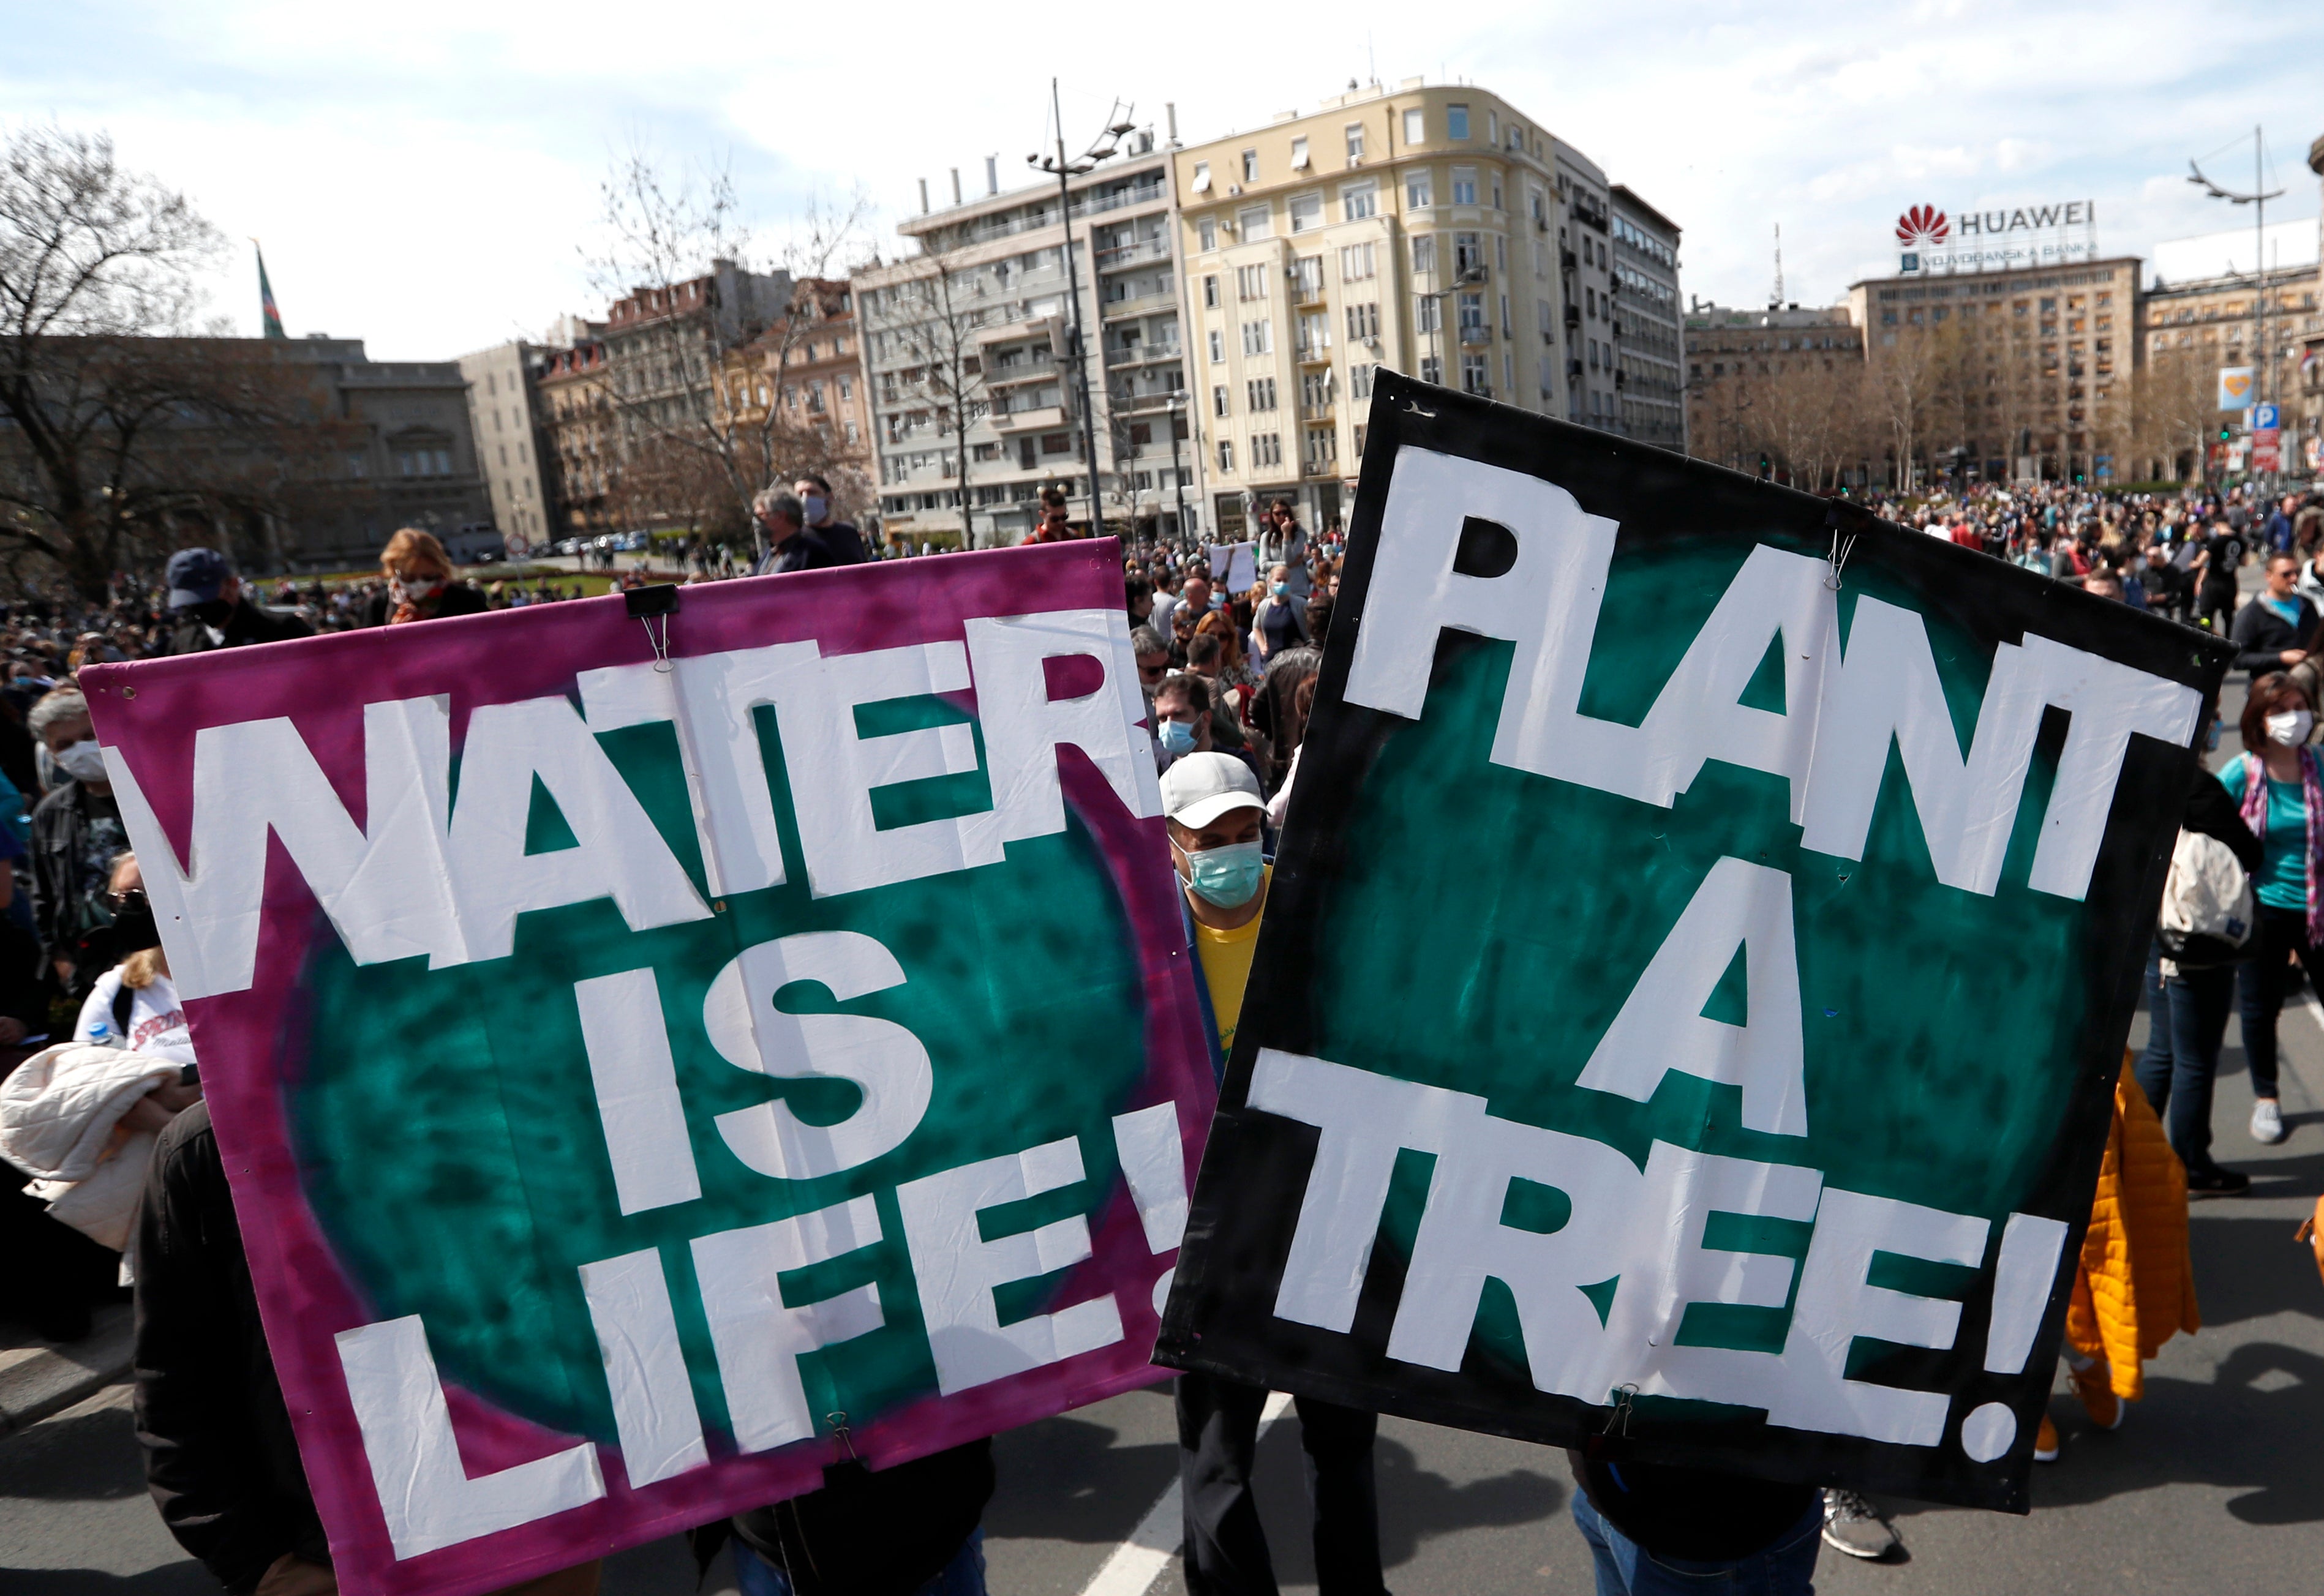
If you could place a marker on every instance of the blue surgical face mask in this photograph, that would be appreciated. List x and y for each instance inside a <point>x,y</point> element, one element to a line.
<point>816,506</point>
<point>1226,877</point>
<point>1177,737</point>
<point>1280,588</point>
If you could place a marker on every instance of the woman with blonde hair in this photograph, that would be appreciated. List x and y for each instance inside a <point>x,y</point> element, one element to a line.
<point>420,586</point>
<point>134,1005</point>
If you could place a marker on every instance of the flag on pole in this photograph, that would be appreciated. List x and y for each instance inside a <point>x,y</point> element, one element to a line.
<point>272,316</point>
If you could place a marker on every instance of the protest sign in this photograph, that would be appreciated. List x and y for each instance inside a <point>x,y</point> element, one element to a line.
<point>1234,567</point>
<point>1631,1029</point>
<point>491,933</point>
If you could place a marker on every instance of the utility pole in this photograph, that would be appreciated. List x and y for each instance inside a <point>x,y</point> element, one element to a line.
<point>2257,198</point>
<point>1101,149</point>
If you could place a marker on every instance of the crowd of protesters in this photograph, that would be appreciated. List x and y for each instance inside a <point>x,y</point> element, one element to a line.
<point>1230,677</point>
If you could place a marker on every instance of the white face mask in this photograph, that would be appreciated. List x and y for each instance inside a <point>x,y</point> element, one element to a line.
<point>82,761</point>
<point>2290,728</point>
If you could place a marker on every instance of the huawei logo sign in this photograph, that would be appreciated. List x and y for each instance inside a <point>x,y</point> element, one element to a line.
<point>1922,224</point>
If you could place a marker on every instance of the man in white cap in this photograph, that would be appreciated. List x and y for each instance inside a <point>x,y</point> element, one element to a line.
<point>1214,810</point>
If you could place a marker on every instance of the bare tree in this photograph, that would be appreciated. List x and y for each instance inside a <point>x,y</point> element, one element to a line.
<point>113,425</point>
<point>2175,408</point>
<point>708,378</point>
<point>1905,376</point>
<point>933,319</point>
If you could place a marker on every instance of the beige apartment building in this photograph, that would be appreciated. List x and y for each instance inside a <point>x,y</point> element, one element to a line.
<point>1435,231</point>
<point>2031,369</point>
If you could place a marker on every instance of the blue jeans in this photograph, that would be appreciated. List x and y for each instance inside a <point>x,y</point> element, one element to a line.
<point>1785,1566</point>
<point>962,1576</point>
<point>2187,1020</point>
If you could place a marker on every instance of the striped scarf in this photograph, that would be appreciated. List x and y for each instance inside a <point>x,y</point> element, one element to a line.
<point>2311,796</point>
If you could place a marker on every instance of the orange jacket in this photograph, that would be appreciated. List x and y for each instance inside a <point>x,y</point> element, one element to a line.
<point>2135,1287</point>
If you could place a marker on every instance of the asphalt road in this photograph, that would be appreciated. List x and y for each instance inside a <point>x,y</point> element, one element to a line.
<point>2211,1485</point>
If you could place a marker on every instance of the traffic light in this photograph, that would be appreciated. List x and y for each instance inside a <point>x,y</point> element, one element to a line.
<point>2226,431</point>
<point>1766,467</point>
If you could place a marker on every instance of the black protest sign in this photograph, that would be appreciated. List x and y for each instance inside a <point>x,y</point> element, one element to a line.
<point>1696,970</point>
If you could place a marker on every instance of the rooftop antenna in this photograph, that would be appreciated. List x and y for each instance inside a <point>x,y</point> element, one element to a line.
<point>1777,302</point>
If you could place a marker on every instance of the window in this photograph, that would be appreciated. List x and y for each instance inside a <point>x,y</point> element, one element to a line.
<point>1359,383</point>
<point>1259,391</point>
<point>1300,153</point>
<point>1258,337</point>
<point>1472,316</point>
<point>1416,126</point>
<point>1357,263</point>
<point>1315,389</point>
<point>1254,224</point>
<point>1475,375</point>
<point>1456,122</point>
<point>1425,309</point>
<point>1355,143</point>
<point>1306,211</point>
<point>1423,255</point>
<point>1250,165</point>
<point>1322,446</point>
<point>1219,403</point>
<point>1431,368</point>
<point>1267,449</point>
<point>1308,276</point>
<point>1250,282</point>
<point>1464,185</point>
<point>1218,346</point>
<point>1363,322</point>
<point>1315,333</point>
<point>1202,184</point>
<point>1419,190</point>
<point>1056,443</point>
<point>1206,234</point>
<point>1359,200</point>
<point>1547,319</point>
<point>1468,251</point>
<point>1210,292</point>
<point>1226,456</point>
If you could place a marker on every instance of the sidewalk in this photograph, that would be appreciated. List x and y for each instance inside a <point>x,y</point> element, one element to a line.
<point>38,1379</point>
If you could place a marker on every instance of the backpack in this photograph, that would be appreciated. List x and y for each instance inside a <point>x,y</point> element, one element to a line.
<point>2207,904</point>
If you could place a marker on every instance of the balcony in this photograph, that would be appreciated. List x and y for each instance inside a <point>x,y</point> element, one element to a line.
<point>1130,254</point>
<point>1476,334</point>
<point>1141,355</point>
<point>1015,421</point>
<point>1313,354</point>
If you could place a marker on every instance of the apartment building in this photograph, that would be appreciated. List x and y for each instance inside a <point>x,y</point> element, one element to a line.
<point>505,412</point>
<point>2217,319</point>
<point>1649,344</point>
<point>1437,231</point>
<point>1729,352</point>
<point>577,408</point>
<point>2041,360</point>
<point>970,367</point>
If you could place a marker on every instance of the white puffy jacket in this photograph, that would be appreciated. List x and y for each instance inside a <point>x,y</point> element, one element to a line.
<point>59,1112</point>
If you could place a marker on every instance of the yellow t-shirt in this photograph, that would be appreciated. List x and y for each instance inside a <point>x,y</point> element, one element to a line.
<point>1226,966</point>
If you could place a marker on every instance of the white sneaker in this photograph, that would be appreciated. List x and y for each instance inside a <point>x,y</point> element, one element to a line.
<point>2267,1122</point>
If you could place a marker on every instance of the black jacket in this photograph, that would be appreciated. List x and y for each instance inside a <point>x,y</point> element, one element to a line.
<point>220,1458</point>
<point>2261,635</point>
<point>816,548</point>
<point>457,598</point>
<point>60,823</point>
<point>867,1534</point>
<point>248,624</point>
<point>2212,810</point>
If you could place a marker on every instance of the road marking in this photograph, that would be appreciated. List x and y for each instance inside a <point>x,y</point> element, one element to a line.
<point>1137,1563</point>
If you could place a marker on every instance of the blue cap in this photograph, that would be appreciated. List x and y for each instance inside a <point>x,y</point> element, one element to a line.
<point>196,574</point>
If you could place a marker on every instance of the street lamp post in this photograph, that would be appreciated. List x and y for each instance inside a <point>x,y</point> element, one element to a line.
<point>1100,148</point>
<point>1177,476</point>
<point>2257,198</point>
<point>1467,280</point>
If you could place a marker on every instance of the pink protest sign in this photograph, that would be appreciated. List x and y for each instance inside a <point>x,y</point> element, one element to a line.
<point>645,1080</point>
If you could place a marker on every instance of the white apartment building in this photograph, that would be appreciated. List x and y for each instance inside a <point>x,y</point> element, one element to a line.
<point>505,415</point>
<point>975,404</point>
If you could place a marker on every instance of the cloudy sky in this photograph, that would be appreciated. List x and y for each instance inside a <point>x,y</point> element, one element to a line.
<point>425,175</point>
